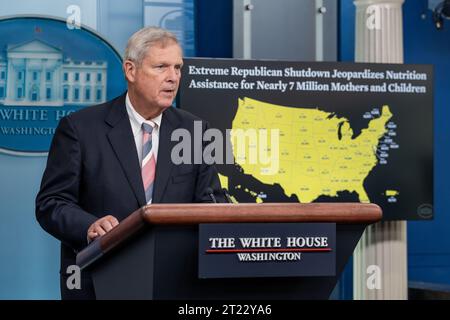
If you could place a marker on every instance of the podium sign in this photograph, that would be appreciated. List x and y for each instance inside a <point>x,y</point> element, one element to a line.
<point>249,250</point>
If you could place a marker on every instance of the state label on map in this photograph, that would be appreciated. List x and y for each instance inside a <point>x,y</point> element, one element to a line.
<point>320,132</point>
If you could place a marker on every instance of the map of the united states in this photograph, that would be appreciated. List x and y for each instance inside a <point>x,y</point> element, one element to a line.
<point>318,155</point>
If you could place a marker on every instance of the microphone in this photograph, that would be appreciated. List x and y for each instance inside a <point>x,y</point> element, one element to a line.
<point>227,195</point>
<point>210,193</point>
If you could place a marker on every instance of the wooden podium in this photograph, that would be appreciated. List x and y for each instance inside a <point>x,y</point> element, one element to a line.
<point>153,254</point>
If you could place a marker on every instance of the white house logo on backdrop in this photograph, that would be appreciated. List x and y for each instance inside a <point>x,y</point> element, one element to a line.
<point>35,74</point>
<point>46,72</point>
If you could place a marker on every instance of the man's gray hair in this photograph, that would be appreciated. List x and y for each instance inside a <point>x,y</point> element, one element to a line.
<point>142,40</point>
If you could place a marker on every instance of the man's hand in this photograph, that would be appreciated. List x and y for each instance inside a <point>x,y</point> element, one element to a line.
<point>101,226</point>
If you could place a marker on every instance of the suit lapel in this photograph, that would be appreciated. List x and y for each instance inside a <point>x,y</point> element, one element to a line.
<point>122,141</point>
<point>164,164</point>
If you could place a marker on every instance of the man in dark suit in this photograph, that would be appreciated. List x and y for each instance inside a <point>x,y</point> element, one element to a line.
<point>107,161</point>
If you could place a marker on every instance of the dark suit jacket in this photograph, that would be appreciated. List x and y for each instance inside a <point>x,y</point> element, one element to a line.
<point>93,170</point>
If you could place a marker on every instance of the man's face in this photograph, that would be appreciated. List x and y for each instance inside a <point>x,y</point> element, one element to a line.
<point>155,82</point>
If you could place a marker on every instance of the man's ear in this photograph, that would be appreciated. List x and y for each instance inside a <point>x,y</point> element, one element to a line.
<point>129,69</point>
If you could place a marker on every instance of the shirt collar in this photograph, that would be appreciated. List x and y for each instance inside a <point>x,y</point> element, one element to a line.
<point>136,119</point>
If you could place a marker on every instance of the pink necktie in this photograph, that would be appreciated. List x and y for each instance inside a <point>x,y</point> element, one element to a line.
<point>148,161</point>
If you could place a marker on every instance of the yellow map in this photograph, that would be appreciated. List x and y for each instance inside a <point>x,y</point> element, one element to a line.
<point>317,155</point>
